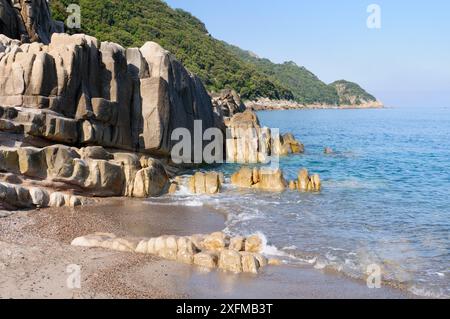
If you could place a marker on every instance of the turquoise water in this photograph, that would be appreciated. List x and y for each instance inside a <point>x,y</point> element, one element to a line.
<point>385,197</point>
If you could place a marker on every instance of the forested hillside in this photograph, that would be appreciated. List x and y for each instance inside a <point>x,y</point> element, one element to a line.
<point>132,23</point>
<point>219,65</point>
<point>304,85</point>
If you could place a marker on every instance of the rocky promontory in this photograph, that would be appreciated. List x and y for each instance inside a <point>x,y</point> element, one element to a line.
<point>265,104</point>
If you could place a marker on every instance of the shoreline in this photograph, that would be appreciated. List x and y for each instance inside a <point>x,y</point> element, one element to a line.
<point>35,251</point>
<point>272,105</point>
<point>258,109</point>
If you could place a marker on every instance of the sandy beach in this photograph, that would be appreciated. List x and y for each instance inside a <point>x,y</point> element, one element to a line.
<point>35,252</point>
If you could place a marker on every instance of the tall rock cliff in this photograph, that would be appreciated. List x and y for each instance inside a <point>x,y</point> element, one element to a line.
<point>77,91</point>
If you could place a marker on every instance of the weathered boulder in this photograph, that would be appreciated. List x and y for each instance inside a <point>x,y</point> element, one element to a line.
<point>57,200</point>
<point>171,98</point>
<point>15,196</point>
<point>237,243</point>
<point>71,169</point>
<point>32,162</point>
<point>183,249</point>
<point>262,261</point>
<point>271,180</point>
<point>230,260</point>
<point>254,244</point>
<point>94,240</point>
<point>185,257</point>
<point>206,259</point>
<point>151,181</point>
<point>249,263</point>
<point>215,242</point>
<point>205,183</point>
<point>307,183</point>
<point>95,152</point>
<point>9,160</point>
<point>248,142</point>
<point>243,178</point>
<point>173,188</point>
<point>185,244</point>
<point>59,161</point>
<point>130,165</point>
<point>20,197</point>
<point>104,179</point>
<point>39,197</point>
<point>106,240</point>
<point>292,145</point>
<point>264,179</point>
<point>227,103</point>
<point>293,185</point>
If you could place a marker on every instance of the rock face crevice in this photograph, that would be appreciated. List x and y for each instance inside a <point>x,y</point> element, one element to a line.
<point>28,20</point>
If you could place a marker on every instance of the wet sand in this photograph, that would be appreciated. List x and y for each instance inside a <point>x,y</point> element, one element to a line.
<point>35,252</point>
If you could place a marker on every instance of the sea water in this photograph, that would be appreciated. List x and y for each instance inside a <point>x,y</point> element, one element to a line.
<point>385,199</point>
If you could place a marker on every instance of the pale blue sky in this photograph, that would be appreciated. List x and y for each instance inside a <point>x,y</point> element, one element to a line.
<point>405,63</point>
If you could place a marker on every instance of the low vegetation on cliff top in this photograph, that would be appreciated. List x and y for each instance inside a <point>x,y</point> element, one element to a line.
<point>219,65</point>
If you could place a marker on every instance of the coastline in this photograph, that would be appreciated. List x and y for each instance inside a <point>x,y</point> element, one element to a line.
<point>36,252</point>
<point>272,105</point>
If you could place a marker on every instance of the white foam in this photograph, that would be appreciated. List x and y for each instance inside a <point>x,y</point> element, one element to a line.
<point>423,292</point>
<point>193,203</point>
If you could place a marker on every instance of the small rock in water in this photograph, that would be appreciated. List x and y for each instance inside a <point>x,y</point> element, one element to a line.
<point>264,179</point>
<point>274,262</point>
<point>328,150</point>
<point>205,183</point>
<point>307,183</point>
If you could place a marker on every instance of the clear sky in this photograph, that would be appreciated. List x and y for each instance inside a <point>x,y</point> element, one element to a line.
<point>405,63</point>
